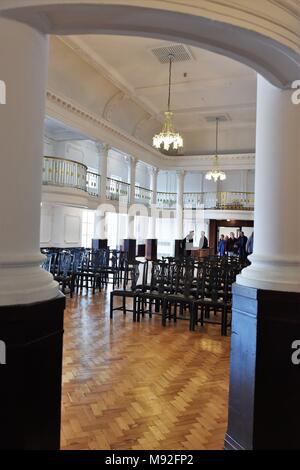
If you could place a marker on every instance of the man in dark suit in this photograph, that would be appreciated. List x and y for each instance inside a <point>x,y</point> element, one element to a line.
<point>242,243</point>
<point>203,243</point>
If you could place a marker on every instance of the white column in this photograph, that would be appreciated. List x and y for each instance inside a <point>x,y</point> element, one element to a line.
<point>100,214</point>
<point>99,225</point>
<point>179,206</point>
<point>103,150</point>
<point>152,221</point>
<point>132,175</point>
<point>276,258</point>
<point>23,60</point>
<point>132,178</point>
<point>244,179</point>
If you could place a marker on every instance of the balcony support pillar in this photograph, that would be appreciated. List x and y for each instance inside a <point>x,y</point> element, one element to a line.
<point>152,221</point>
<point>103,152</point>
<point>132,177</point>
<point>264,377</point>
<point>31,307</point>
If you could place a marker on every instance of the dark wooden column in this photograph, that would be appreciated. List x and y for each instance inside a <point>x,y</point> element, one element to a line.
<point>264,381</point>
<point>30,391</point>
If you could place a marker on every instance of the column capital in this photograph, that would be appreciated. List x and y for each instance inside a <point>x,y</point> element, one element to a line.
<point>131,160</point>
<point>102,148</point>
<point>180,173</point>
<point>153,170</point>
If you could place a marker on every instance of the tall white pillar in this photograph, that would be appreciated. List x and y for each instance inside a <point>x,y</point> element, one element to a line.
<point>132,178</point>
<point>152,224</point>
<point>24,70</point>
<point>103,150</point>
<point>179,206</point>
<point>100,214</point>
<point>276,258</point>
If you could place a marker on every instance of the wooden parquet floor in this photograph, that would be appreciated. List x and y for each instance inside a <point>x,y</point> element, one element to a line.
<point>141,386</point>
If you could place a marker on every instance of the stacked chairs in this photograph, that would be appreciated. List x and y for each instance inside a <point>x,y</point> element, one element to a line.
<point>215,294</point>
<point>111,267</point>
<point>131,288</point>
<point>88,276</point>
<point>184,291</point>
<point>64,272</point>
<point>154,292</point>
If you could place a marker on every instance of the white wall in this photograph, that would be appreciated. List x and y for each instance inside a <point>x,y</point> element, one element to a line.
<point>143,175</point>
<point>117,166</point>
<point>61,226</point>
<point>167,181</point>
<point>237,180</point>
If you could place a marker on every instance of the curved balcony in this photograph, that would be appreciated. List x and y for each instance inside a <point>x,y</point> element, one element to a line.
<point>70,174</point>
<point>117,190</point>
<point>143,196</point>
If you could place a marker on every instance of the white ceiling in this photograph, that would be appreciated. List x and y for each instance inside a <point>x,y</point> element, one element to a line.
<point>206,85</point>
<point>60,132</point>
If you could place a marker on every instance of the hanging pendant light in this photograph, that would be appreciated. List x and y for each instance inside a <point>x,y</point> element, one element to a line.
<point>168,141</point>
<point>215,173</point>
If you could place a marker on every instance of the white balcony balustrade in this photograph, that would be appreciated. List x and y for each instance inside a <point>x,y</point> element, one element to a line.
<point>71,174</point>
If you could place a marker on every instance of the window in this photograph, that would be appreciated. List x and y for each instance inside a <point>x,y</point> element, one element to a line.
<point>88,223</point>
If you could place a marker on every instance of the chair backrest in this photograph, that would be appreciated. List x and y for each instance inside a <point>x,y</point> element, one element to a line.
<point>64,263</point>
<point>158,276</point>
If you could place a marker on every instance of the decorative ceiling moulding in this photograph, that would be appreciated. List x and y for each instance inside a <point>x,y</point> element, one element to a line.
<point>95,127</point>
<point>268,33</point>
<point>82,49</point>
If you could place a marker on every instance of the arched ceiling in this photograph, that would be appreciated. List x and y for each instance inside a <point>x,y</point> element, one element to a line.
<point>125,82</point>
<point>263,34</point>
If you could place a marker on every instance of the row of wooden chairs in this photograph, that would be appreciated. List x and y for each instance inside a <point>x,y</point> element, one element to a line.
<point>178,287</point>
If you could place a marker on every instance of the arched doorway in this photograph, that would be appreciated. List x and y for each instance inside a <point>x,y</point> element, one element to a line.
<point>272,58</point>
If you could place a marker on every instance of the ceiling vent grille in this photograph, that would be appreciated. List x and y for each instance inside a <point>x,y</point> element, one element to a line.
<point>221,117</point>
<point>180,53</point>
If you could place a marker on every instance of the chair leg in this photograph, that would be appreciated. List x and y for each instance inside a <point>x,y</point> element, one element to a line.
<point>111,304</point>
<point>164,312</point>
<point>134,301</point>
<point>124,306</point>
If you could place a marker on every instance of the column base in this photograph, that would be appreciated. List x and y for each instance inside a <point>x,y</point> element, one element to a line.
<point>30,392</point>
<point>151,249</point>
<point>179,248</point>
<point>264,382</point>
<point>99,244</point>
<point>129,246</point>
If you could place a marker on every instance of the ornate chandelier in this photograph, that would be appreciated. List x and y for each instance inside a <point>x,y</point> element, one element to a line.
<point>215,173</point>
<point>168,141</point>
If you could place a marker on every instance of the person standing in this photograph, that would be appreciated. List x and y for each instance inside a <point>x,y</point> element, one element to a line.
<point>242,243</point>
<point>230,244</point>
<point>221,246</point>
<point>203,243</point>
<point>189,240</point>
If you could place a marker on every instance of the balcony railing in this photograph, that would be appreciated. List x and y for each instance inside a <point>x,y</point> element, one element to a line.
<point>117,190</point>
<point>93,184</point>
<point>223,200</point>
<point>166,200</point>
<point>143,195</point>
<point>71,174</point>
<point>66,173</point>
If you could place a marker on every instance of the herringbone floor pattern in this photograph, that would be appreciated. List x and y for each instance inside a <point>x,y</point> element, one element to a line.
<point>141,386</point>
